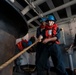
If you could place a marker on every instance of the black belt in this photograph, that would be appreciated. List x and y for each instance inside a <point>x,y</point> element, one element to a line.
<point>50,43</point>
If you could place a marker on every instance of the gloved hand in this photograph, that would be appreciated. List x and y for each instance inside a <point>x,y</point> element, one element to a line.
<point>40,38</point>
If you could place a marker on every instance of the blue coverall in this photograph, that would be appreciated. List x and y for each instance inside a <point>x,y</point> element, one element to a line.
<point>39,49</point>
<point>17,61</point>
<point>54,51</point>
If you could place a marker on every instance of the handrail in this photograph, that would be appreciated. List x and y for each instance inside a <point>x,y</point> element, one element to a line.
<point>16,56</point>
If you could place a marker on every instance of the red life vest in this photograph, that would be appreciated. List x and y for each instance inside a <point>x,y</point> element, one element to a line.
<point>24,40</point>
<point>19,45</point>
<point>51,31</point>
<point>42,26</point>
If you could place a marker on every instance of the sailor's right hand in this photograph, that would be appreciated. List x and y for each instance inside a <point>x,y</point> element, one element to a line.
<point>40,38</point>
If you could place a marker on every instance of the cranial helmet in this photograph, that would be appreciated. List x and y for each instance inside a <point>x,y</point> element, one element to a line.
<point>43,19</point>
<point>51,18</point>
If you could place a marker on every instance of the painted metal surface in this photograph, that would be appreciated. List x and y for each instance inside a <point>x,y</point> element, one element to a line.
<point>12,25</point>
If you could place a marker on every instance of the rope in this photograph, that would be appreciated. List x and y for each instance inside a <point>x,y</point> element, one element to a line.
<point>16,56</point>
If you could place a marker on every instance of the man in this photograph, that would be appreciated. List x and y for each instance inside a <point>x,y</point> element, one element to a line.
<point>41,27</point>
<point>40,45</point>
<point>19,48</point>
<point>38,34</point>
<point>51,41</point>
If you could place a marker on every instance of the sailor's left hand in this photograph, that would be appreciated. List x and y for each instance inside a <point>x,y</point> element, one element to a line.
<point>45,41</point>
<point>40,38</point>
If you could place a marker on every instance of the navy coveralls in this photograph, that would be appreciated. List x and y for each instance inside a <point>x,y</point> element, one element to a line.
<point>54,51</point>
<point>39,49</point>
<point>17,61</point>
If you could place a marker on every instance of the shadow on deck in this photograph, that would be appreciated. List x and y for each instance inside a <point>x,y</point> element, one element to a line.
<point>31,70</point>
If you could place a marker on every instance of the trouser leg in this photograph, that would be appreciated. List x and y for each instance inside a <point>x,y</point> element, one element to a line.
<point>39,51</point>
<point>17,64</point>
<point>41,65</point>
<point>57,59</point>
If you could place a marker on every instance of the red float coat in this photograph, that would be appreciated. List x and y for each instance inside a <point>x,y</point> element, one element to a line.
<point>51,31</point>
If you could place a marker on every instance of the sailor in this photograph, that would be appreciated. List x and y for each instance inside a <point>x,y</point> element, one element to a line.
<point>52,48</point>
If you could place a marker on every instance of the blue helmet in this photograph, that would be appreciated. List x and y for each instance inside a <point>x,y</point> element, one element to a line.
<point>51,18</point>
<point>29,43</point>
<point>43,19</point>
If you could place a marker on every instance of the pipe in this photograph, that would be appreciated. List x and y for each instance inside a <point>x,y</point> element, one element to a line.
<point>66,19</point>
<point>55,9</point>
<point>63,36</point>
<point>70,53</point>
<point>26,9</point>
<point>71,62</point>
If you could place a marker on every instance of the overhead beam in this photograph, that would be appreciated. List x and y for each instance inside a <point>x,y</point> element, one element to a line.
<point>26,9</point>
<point>67,19</point>
<point>68,9</point>
<point>32,25</point>
<point>28,14</point>
<point>55,9</point>
<point>18,5</point>
<point>39,9</point>
<point>51,6</point>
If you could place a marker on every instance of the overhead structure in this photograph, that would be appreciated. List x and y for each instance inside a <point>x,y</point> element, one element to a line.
<point>54,10</point>
<point>32,11</point>
<point>51,6</point>
<point>12,26</point>
<point>28,14</point>
<point>68,9</point>
<point>26,9</point>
